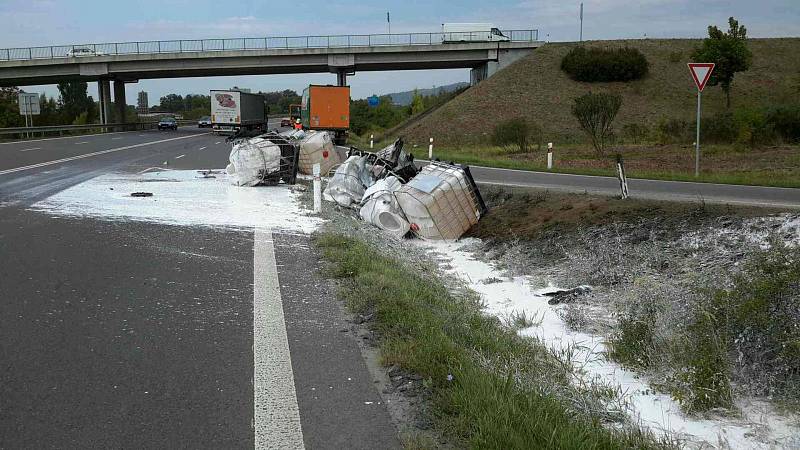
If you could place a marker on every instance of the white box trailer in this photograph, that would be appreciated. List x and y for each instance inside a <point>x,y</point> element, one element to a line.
<point>472,32</point>
<point>233,109</point>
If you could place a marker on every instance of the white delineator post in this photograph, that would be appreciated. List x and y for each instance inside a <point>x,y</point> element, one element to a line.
<point>430,149</point>
<point>371,137</point>
<point>317,189</point>
<point>549,155</point>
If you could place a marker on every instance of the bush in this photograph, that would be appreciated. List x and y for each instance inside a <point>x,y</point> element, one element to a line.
<point>635,132</point>
<point>758,319</point>
<point>785,121</point>
<point>752,128</point>
<point>719,128</point>
<point>595,113</point>
<point>675,57</point>
<point>672,131</point>
<point>602,65</point>
<point>517,135</point>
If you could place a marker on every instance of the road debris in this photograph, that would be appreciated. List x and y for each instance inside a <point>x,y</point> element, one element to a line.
<point>266,159</point>
<point>316,147</point>
<point>440,201</point>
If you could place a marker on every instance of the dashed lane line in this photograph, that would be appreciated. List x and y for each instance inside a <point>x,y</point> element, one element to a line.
<point>276,412</point>
<point>179,156</point>
<point>89,155</point>
<point>81,142</point>
<point>30,149</point>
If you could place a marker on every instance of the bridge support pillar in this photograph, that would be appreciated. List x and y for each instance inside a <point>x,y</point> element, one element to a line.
<point>341,78</point>
<point>499,59</point>
<point>119,103</point>
<point>104,94</point>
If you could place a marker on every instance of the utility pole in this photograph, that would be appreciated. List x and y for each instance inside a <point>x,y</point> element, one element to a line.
<point>389,22</point>
<point>581,35</point>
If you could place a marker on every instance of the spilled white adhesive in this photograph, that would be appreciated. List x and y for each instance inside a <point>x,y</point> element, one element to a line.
<point>182,197</point>
<point>758,427</point>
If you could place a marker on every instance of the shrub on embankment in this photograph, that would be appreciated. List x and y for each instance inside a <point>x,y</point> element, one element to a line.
<point>604,64</point>
<point>490,388</point>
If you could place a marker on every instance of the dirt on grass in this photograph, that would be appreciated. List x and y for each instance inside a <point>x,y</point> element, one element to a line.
<point>523,214</point>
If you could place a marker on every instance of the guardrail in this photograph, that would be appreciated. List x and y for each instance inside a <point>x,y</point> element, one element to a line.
<point>265,43</point>
<point>62,129</point>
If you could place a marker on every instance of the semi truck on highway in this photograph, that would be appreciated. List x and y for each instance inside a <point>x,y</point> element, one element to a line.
<point>232,110</point>
<point>472,32</point>
<point>326,108</point>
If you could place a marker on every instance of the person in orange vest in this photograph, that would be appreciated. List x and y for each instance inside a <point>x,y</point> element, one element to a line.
<point>298,125</point>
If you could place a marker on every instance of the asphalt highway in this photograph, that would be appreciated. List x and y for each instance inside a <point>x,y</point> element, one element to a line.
<point>124,334</point>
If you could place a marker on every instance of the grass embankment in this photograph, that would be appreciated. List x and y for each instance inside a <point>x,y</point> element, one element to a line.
<point>773,166</point>
<point>708,319</point>
<point>537,89</point>
<point>490,388</point>
<point>777,166</point>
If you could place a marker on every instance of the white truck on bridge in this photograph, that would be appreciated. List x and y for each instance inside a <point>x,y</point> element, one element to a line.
<point>472,32</point>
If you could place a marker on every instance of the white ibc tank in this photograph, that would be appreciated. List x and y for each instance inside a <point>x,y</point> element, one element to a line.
<point>317,148</point>
<point>439,202</point>
<point>252,160</point>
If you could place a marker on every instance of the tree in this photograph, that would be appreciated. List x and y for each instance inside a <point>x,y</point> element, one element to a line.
<point>729,53</point>
<point>9,108</point>
<point>417,103</point>
<point>173,103</point>
<point>74,99</point>
<point>595,113</point>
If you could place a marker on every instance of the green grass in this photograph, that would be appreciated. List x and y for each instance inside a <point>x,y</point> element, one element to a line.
<point>506,391</point>
<point>495,157</point>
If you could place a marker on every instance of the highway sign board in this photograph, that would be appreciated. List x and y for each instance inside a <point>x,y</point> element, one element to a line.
<point>701,72</point>
<point>373,101</point>
<point>29,104</point>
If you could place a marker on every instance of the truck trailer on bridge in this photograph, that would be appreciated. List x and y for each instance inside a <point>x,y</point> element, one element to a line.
<point>472,32</point>
<point>326,108</point>
<point>232,110</point>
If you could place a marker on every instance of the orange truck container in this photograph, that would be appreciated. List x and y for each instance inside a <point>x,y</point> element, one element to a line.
<point>326,108</point>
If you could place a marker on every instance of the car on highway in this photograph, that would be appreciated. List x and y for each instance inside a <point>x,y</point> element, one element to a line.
<point>286,122</point>
<point>204,122</point>
<point>77,52</point>
<point>167,123</point>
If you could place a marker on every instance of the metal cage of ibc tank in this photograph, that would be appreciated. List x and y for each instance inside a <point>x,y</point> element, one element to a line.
<point>452,209</point>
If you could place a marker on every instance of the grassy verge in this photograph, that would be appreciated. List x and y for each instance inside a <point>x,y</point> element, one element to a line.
<point>490,388</point>
<point>779,167</point>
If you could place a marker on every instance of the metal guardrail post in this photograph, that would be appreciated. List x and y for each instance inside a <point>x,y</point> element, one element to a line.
<point>180,45</point>
<point>202,45</point>
<point>159,46</point>
<point>30,53</point>
<point>116,48</point>
<point>137,48</point>
<point>266,46</point>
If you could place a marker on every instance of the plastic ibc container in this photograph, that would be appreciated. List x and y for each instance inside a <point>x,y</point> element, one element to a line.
<point>439,202</point>
<point>317,148</point>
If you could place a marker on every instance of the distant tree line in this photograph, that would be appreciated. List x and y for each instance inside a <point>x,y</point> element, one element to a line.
<point>73,107</point>
<point>365,118</point>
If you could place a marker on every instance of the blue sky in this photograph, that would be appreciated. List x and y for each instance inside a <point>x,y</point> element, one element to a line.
<point>52,22</point>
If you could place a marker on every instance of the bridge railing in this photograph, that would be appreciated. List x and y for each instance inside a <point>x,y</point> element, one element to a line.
<point>265,43</point>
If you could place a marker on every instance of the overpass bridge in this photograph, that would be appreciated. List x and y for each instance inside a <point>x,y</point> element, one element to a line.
<point>128,62</point>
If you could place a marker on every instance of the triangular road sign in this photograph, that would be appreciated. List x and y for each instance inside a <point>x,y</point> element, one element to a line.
<point>701,72</point>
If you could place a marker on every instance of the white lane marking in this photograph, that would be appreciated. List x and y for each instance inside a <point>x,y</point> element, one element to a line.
<point>142,135</point>
<point>82,142</point>
<point>116,138</point>
<point>63,137</point>
<point>88,155</point>
<point>202,148</point>
<point>29,149</point>
<point>276,414</point>
<point>218,142</point>
<point>179,157</point>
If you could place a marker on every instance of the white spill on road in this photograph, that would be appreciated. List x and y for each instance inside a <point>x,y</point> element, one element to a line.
<point>759,426</point>
<point>188,198</point>
<point>182,197</point>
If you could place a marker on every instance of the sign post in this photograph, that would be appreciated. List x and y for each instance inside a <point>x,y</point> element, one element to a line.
<point>29,106</point>
<point>701,72</point>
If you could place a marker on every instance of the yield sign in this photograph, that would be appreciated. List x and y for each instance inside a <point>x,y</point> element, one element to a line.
<point>701,72</point>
